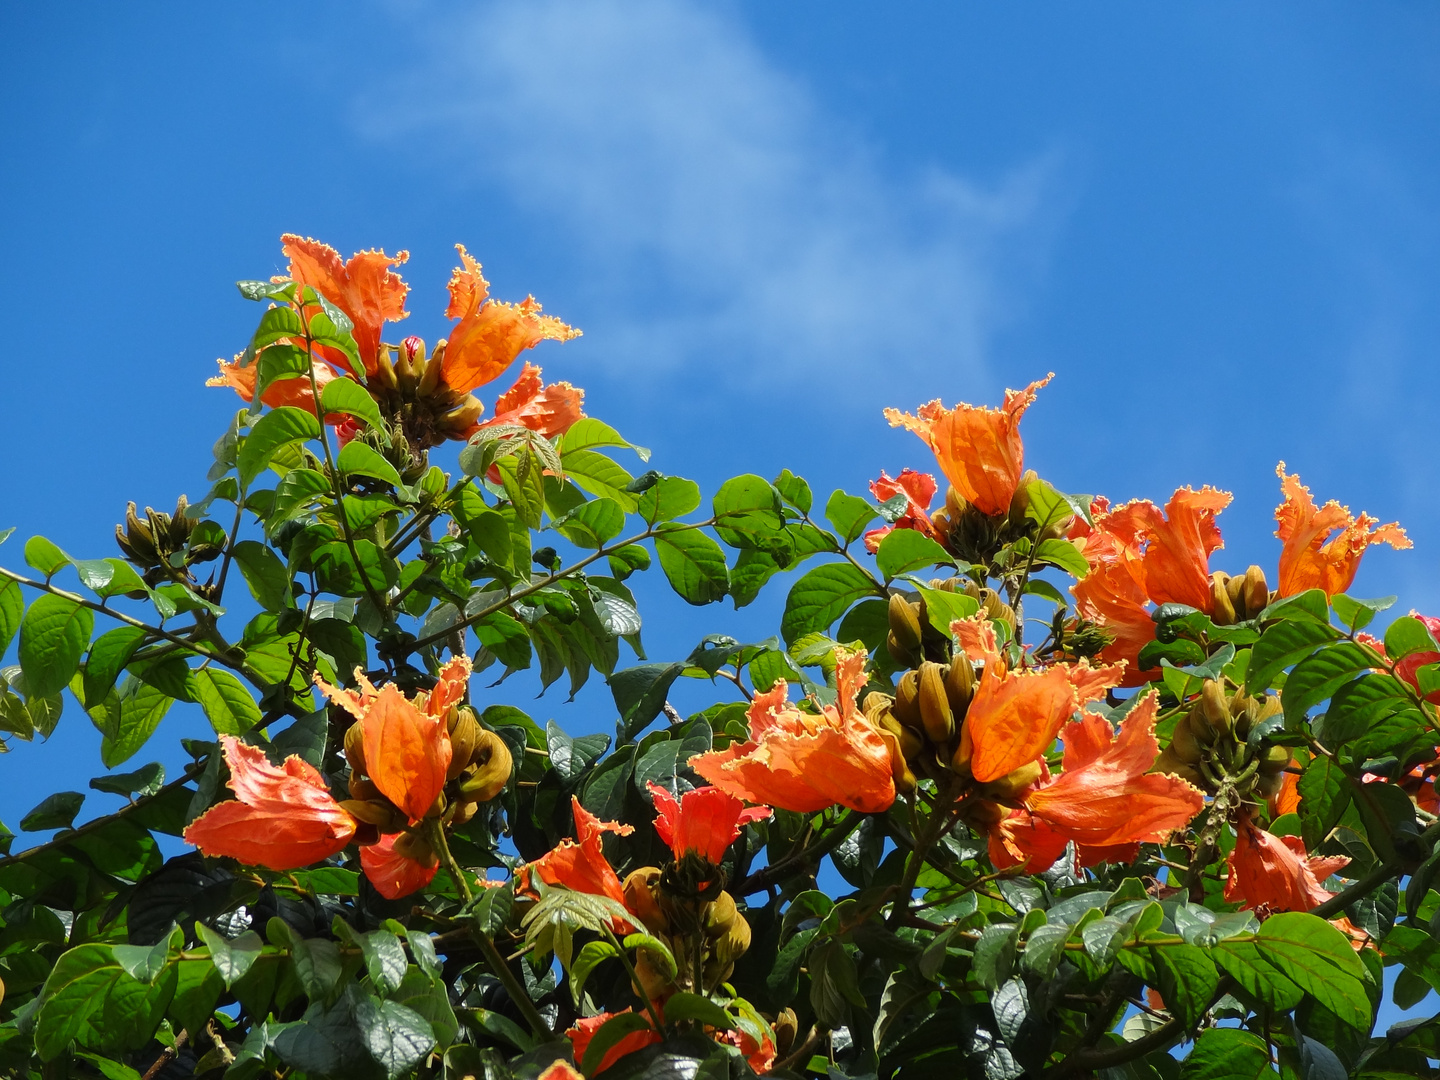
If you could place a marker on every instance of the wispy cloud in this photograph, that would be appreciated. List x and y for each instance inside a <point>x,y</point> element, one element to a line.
<point>711,207</point>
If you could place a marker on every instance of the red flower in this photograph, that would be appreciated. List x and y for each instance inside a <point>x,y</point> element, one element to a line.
<point>1275,872</point>
<point>394,875</point>
<point>1322,548</point>
<point>978,448</point>
<point>802,761</point>
<point>551,410</point>
<point>705,821</point>
<point>282,818</point>
<point>919,491</point>
<point>363,288</point>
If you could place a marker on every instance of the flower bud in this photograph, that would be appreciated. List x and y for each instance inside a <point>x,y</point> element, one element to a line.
<point>1012,784</point>
<point>355,747</point>
<point>1183,743</point>
<point>935,712</point>
<point>907,700</point>
<point>960,683</point>
<point>639,888</point>
<point>493,765</point>
<point>1222,609</point>
<point>1257,592</point>
<point>414,846</point>
<point>378,812</point>
<point>363,789</point>
<point>464,736</point>
<point>905,622</point>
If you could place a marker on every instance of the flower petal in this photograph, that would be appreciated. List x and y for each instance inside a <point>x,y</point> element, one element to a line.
<point>392,874</point>
<point>406,752</point>
<point>705,820</point>
<point>1313,558</point>
<point>551,410</point>
<point>363,288</point>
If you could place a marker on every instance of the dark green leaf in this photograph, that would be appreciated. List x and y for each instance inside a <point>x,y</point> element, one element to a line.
<point>1308,606</point>
<point>145,780</point>
<point>822,596</point>
<point>1319,675</point>
<point>277,428</point>
<point>12,610</point>
<point>142,707</point>
<point>1407,635</point>
<point>227,703</point>
<point>90,999</point>
<point>684,1006</point>
<point>232,958</point>
<point>1320,960</point>
<point>55,812</point>
<point>1324,794</point>
<point>53,636</point>
<point>384,959</point>
<point>1357,614</point>
<point>1280,646</point>
<point>1227,1054</point>
<point>361,459</point>
<point>571,757</point>
<point>600,476</point>
<point>640,692</point>
<point>108,657</point>
<point>748,576</point>
<point>1188,980</point>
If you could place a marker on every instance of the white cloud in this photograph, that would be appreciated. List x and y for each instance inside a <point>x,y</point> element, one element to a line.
<point>714,210</point>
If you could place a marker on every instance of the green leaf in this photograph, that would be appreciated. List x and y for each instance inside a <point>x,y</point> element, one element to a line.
<point>55,812</point>
<point>1188,980</point>
<point>90,999</point>
<point>687,1006</point>
<point>1280,646</point>
<point>1046,506</point>
<point>1319,960</point>
<point>335,570</point>
<point>384,959</point>
<point>834,983</point>
<point>943,608</point>
<point>588,433</point>
<point>12,610</point>
<point>522,476</point>
<point>108,657</point>
<point>1408,635</point>
<point>232,958</point>
<point>640,693</point>
<point>668,498</point>
<point>113,577</point>
<point>278,363</point>
<point>146,780</point>
<point>53,636</point>
<point>45,556</point>
<point>360,458</point>
<point>1242,961</point>
<point>265,574</point>
<point>296,490</point>
<point>1309,606</point>
<point>592,524</point>
<point>142,707</point>
<point>397,1037</point>
<point>1319,675</point>
<point>693,564</point>
<point>570,758</point>
<point>903,550</point>
<point>822,596</point>
<point>278,322</point>
<point>849,515</point>
<point>1227,1054</point>
<point>1065,555</point>
<point>748,576</point>
<point>146,962</point>
<point>591,956</point>
<point>170,674</point>
<point>277,428</point>
<point>1324,795</point>
<point>794,490</point>
<point>349,397</point>
<point>227,703</point>
<point>600,476</point>
<point>1357,614</point>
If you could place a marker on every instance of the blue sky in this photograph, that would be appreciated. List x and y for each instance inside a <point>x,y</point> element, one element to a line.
<point>1217,224</point>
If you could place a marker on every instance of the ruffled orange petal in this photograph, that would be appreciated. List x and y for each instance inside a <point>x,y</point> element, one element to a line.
<point>491,333</point>
<point>1287,799</point>
<point>551,410</point>
<point>392,874</point>
<point>294,390</point>
<point>1313,558</point>
<point>1275,872</point>
<point>363,288</point>
<point>450,687</point>
<point>978,447</point>
<point>1015,716</point>
<point>1178,547</point>
<point>585,1029</point>
<point>802,762</point>
<point>919,491</point>
<point>1022,839</point>
<point>283,818</point>
<point>1105,797</point>
<point>580,864</point>
<point>706,821</point>
<point>406,752</point>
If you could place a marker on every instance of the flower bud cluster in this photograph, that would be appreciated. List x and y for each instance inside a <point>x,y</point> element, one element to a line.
<point>159,544</point>
<point>1210,744</point>
<point>1235,599</point>
<point>412,389</point>
<point>976,536</point>
<point>681,919</point>
<point>480,766</point>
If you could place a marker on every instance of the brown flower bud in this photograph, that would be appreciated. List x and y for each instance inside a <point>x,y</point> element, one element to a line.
<point>639,888</point>
<point>1012,784</point>
<point>907,700</point>
<point>1222,608</point>
<point>493,764</point>
<point>414,846</point>
<point>1257,592</point>
<point>465,734</point>
<point>960,683</point>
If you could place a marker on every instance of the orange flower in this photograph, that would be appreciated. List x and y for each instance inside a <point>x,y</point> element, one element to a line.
<point>551,410</point>
<point>491,333</point>
<point>1138,555</point>
<point>1274,872</point>
<point>978,448</point>
<point>1105,799</point>
<point>1287,799</point>
<point>292,390</point>
<point>800,761</point>
<point>1015,716</point>
<point>281,818</point>
<point>1322,548</point>
<point>406,743</point>
<point>561,1070</point>
<point>585,1028</point>
<point>580,864</point>
<point>918,489</point>
<point>705,821</point>
<point>394,875</point>
<point>363,288</point>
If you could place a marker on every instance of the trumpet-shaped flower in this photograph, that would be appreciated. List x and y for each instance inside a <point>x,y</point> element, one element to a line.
<point>490,333</point>
<point>1322,547</point>
<point>363,288</point>
<point>805,762</point>
<point>406,743</point>
<point>580,864</point>
<point>1275,872</point>
<point>394,875</point>
<point>551,410</point>
<point>978,447</point>
<point>1105,798</point>
<point>705,821</point>
<point>281,818</point>
<point>1015,715</point>
<point>919,491</point>
<point>293,390</point>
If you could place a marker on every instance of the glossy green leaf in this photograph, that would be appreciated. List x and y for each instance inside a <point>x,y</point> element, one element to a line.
<point>1320,960</point>
<point>54,812</point>
<point>1227,1054</point>
<point>670,497</point>
<point>1324,796</point>
<point>146,780</point>
<point>233,958</point>
<point>522,477</point>
<point>904,550</point>
<point>693,564</point>
<point>1065,555</point>
<point>90,999</point>
<point>821,596</point>
<point>142,707</point>
<point>1408,635</point>
<point>599,476</point>
<point>53,636</point>
<point>849,515</point>
<point>226,701</point>
<point>12,610</point>
<point>592,524</point>
<point>358,458</point>
<point>108,657</point>
<point>686,1006</point>
<point>277,428</point>
<point>1319,675</point>
<point>1188,980</point>
<point>349,397</point>
<point>1280,646</point>
<point>397,1037</point>
<point>45,556</point>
